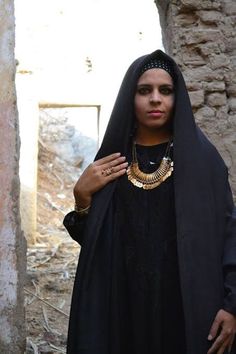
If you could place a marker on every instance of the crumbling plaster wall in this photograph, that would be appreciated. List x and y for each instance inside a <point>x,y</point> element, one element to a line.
<point>201,36</point>
<point>12,245</point>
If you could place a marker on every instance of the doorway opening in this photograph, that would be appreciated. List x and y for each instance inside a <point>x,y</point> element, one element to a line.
<point>68,141</point>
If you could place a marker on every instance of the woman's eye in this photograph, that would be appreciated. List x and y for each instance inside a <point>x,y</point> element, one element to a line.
<point>166,90</point>
<point>143,90</point>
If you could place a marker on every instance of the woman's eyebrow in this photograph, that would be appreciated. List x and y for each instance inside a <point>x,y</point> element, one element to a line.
<point>143,84</point>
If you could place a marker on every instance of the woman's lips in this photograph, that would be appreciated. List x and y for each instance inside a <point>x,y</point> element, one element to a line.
<point>155,113</point>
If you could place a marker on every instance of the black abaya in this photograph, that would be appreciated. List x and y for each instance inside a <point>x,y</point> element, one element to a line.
<point>205,231</point>
<point>146,304</point>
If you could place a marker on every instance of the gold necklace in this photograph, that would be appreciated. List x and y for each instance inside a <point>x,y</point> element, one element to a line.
<point>154,179</point>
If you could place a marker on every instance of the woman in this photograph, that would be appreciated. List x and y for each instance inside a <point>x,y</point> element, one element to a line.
<point>155,218</point>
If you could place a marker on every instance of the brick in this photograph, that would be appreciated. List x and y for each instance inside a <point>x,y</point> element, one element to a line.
<point>209,17</point>
<point>216,99</point>
<point>200,36</point>
<point>214,86</point>
<point>196,98</point>
<point>199,4</point>
<point>232,104</point>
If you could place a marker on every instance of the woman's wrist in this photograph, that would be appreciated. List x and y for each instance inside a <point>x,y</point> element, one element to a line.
<point>82,204</point>
<point>81,210</point>
<point>82,201</point>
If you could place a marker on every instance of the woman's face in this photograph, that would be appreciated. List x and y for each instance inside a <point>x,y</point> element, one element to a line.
<point>154,100</point>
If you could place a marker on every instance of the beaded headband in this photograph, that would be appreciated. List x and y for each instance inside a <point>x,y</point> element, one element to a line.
<point>158,64</point>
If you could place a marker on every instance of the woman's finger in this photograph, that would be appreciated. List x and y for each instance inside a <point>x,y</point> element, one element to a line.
<point>230,345</point>
<point>224,346</point>
<point>107,159</point>
<point>214,329</point>
<point>215,346</point>
<point>113,163</point>
<point>221,343</point>
<point>114,172</point>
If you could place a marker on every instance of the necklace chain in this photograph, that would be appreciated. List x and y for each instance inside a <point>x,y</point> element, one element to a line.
<point>150,180</point>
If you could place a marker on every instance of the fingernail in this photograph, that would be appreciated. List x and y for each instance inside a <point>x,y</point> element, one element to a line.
<point>210,337</point>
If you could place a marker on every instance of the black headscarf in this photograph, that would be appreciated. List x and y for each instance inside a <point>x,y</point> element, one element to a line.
<point>121,122</point>
<point>192,150</point>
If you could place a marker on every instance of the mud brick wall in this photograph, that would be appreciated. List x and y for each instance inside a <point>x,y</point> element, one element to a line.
<point>201,36</point>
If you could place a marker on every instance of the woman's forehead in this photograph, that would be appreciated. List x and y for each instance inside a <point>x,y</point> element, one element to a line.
<point>155,75</point>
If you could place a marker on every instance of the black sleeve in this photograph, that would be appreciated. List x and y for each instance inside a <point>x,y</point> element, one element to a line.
<point>229,259</point>
<point>75,225</point>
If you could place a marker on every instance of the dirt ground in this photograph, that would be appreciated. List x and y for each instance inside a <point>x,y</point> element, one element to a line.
<point>52,260</point>
<point>51,271</point>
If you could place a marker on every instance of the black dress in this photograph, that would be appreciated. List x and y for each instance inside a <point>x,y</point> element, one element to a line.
<point>146,305</point>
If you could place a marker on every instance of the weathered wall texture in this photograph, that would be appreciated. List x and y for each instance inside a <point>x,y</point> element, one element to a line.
<point>201,36</point>
<point>12,247</point>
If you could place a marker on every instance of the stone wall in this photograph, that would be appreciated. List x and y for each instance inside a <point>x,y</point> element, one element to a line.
<point>201,36</point>
<point>12,246</point>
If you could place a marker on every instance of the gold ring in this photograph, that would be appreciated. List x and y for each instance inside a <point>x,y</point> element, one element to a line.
<point>107,172</point>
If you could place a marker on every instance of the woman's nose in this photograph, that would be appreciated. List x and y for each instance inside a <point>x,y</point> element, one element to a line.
<point>155,96</point>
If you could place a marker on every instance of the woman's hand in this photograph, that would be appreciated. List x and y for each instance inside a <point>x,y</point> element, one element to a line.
<point>224,341</point>
<point>96,176</point>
